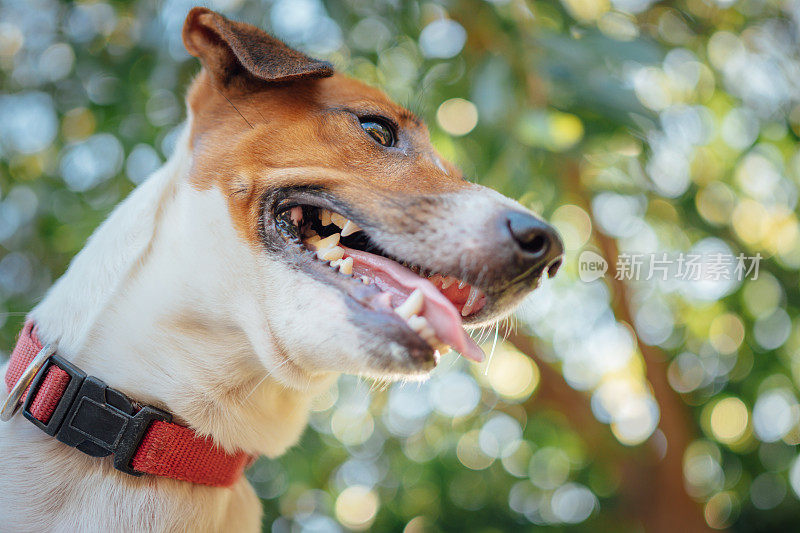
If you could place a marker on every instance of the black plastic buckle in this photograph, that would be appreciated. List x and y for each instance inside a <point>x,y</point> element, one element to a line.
<point>93,417</point>
<point>76,377</point>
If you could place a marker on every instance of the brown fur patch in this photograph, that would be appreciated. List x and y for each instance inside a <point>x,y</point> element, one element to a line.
<point>308,134</point>
<point>230,49</point>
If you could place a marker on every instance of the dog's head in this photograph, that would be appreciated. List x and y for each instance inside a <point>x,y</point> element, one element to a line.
<point>372,252</point>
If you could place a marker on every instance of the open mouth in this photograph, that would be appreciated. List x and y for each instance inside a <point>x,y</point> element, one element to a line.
<point>432,305</point>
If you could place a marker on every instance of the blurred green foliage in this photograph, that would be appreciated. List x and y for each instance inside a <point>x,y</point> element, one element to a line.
<point>637,127</point>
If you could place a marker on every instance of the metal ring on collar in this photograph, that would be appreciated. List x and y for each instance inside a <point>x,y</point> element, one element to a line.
<point>12,403</point>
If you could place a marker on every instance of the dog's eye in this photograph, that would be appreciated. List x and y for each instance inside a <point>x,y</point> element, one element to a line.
<point>378,130</point>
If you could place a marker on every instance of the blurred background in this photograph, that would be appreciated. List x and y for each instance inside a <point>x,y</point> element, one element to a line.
<point>635,126</point>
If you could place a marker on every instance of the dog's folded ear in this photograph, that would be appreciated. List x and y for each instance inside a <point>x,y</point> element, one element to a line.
<point>230,49</point>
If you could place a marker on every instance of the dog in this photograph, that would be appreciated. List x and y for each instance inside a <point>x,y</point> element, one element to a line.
<point>304,227</point>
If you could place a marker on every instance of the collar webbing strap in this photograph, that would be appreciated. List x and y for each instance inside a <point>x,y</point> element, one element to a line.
<point>83,412</point>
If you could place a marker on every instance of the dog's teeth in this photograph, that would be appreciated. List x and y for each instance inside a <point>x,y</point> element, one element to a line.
<point>330,254</point>
<point>313,240</point>
<point>325,217</point>
<point>421,326</point>
<point>327,242</point>
<point>447,281</point>
<point>471,299</point>
<point>412,305</point>
<point>336,263</point>
<point>338,219</point>
<point>417,323</point>
<point>296,215</point>
<point>428,334</point>
<point>346,266</point>
<point>349,228</point>
<point>462,284</point>
<point>365,280</point>
<point>430,337</point>
<point>474,292</point>
<point>442,348</point>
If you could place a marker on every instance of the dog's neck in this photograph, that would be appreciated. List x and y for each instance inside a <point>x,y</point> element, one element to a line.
<point>150,306</point>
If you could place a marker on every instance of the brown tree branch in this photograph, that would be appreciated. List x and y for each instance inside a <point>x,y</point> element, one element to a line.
<point>674,509</point>
<point>554,392</point>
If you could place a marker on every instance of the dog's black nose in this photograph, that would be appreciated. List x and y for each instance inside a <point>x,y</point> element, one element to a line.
<point>539,241</point>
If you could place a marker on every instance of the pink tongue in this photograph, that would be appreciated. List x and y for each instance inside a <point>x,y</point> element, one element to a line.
<point>440,313</point>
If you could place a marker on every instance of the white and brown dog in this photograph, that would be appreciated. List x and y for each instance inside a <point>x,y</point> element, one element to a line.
<point>304,227</point>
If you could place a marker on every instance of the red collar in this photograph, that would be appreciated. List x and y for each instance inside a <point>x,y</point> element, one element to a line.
<point>83,412</point>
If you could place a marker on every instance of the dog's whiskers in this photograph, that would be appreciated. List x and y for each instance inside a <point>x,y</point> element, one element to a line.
<point>379,384</point>
<point>484,334</point>
<point>229,101</point>
<point>494,346</point>
<point>267,374</point>
<point>264,120</point>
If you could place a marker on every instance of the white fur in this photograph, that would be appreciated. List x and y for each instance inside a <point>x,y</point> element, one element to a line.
<point>169,305</point>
